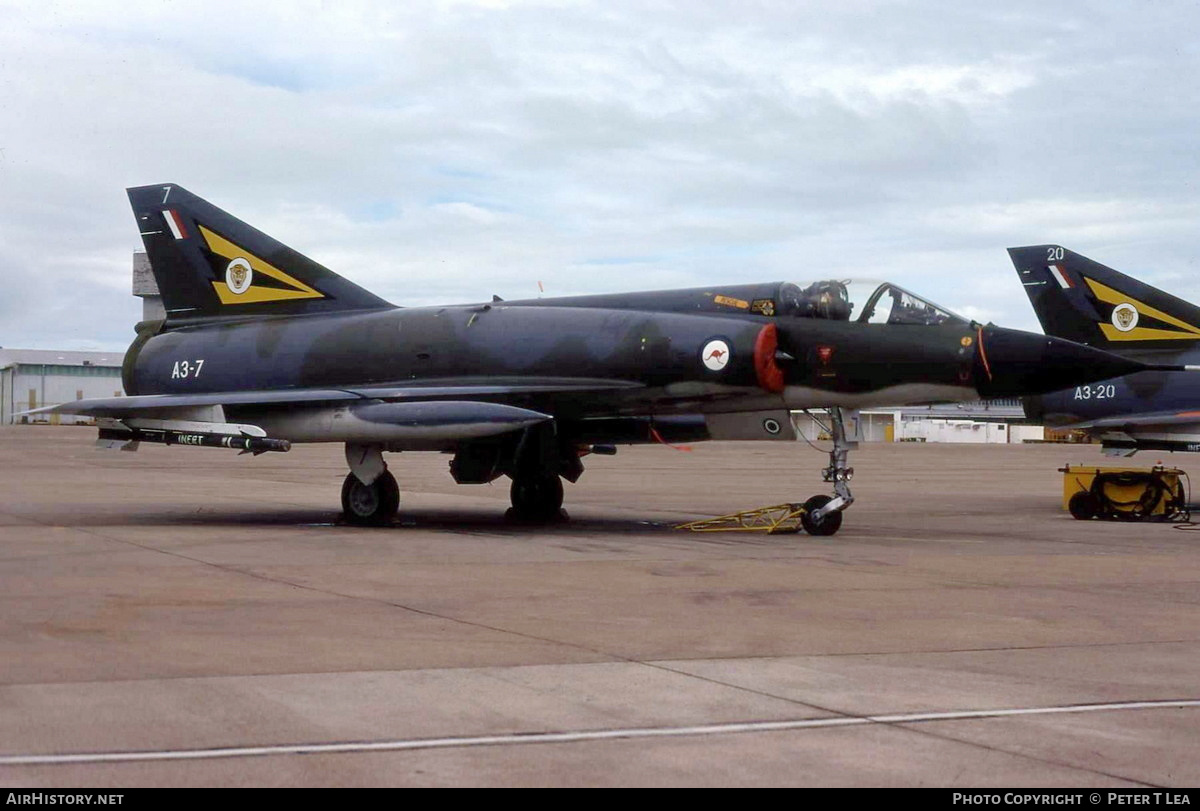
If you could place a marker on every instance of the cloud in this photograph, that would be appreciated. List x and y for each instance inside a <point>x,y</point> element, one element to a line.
<point>446,151</point>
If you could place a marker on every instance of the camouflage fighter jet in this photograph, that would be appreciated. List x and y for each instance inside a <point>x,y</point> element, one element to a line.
<point>262,347</point>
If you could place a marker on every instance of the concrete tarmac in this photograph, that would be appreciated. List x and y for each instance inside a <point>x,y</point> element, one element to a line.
<point>187,616</point>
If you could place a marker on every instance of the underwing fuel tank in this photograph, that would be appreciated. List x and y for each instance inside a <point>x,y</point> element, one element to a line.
<point>437,422</point>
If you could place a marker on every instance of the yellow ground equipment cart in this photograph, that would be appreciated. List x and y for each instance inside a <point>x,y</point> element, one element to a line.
<point>1125,494</point>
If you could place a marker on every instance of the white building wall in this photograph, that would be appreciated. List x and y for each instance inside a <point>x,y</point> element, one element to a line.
<point>1022,433</point>
<point>873,425</point>
<point>969,431</point>
<point>6,398</point>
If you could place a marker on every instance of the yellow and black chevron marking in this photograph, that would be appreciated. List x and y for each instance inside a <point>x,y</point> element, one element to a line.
<point>1167,328</point>
<point>290,290</point>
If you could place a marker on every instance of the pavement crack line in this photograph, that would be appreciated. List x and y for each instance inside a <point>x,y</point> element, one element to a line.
<point>842,717</point>
<point>910,723</point>
<point>581,736</point>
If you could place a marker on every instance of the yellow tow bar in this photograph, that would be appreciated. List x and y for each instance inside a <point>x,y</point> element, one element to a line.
<point>778,519</point>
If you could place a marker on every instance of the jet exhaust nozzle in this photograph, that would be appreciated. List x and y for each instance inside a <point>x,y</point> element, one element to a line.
<point>1014,363</point>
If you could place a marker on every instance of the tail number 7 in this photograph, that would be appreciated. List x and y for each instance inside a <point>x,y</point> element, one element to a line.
<point>183,369</point>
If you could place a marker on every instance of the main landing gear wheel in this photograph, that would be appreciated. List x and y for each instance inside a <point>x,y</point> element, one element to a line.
<point>826,525</point>
<point>537,498</point>
<point>370,505</point>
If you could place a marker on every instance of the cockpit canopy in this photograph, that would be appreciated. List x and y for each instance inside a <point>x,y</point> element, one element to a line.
<point>865,302</point>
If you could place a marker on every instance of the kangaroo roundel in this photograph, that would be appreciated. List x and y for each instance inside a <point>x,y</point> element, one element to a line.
<point>715,355</point>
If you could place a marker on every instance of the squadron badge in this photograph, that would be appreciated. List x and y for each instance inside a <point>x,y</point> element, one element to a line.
<point>1125,317</point>
<point>238,276</point>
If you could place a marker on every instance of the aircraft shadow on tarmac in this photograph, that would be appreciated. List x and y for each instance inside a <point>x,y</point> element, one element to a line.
<point>443,520</point>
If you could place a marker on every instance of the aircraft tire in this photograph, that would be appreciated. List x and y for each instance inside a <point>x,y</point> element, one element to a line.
<point>1083,506</point>
<point>370,505</point>
<point>537,497</point>
<point>828,525</point>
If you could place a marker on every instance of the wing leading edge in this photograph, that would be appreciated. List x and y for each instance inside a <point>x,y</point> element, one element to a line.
<point>444,390</point>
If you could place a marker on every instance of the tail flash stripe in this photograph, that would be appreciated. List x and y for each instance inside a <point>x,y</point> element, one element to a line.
<point>174,223</point>
<point>1063,280</point>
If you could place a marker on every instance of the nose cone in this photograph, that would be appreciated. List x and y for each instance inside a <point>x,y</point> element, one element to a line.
<point>1012,363</point>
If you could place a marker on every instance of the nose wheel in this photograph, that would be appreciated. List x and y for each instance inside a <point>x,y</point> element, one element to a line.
<point>827,524</point>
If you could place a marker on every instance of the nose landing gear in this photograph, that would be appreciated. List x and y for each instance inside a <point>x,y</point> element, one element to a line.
<point>823,514</point>
<point>820,515</point>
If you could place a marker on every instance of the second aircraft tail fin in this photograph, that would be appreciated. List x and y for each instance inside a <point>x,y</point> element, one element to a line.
<point>1086,302</point>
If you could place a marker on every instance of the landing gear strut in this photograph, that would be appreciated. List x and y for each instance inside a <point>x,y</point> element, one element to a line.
<point>823,514</point>
<point>538,465</point>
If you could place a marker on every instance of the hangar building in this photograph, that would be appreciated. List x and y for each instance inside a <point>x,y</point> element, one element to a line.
<point>32,378</point>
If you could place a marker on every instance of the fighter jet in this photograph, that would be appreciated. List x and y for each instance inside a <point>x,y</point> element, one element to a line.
<point>1084,301</point>
<point>262,347</point>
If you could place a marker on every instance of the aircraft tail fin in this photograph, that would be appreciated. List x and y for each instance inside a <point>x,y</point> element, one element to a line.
<point>1086,302</point>
<point>210,265</point>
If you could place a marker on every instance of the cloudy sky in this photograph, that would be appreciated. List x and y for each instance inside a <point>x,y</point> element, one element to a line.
<point>446,151</point>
